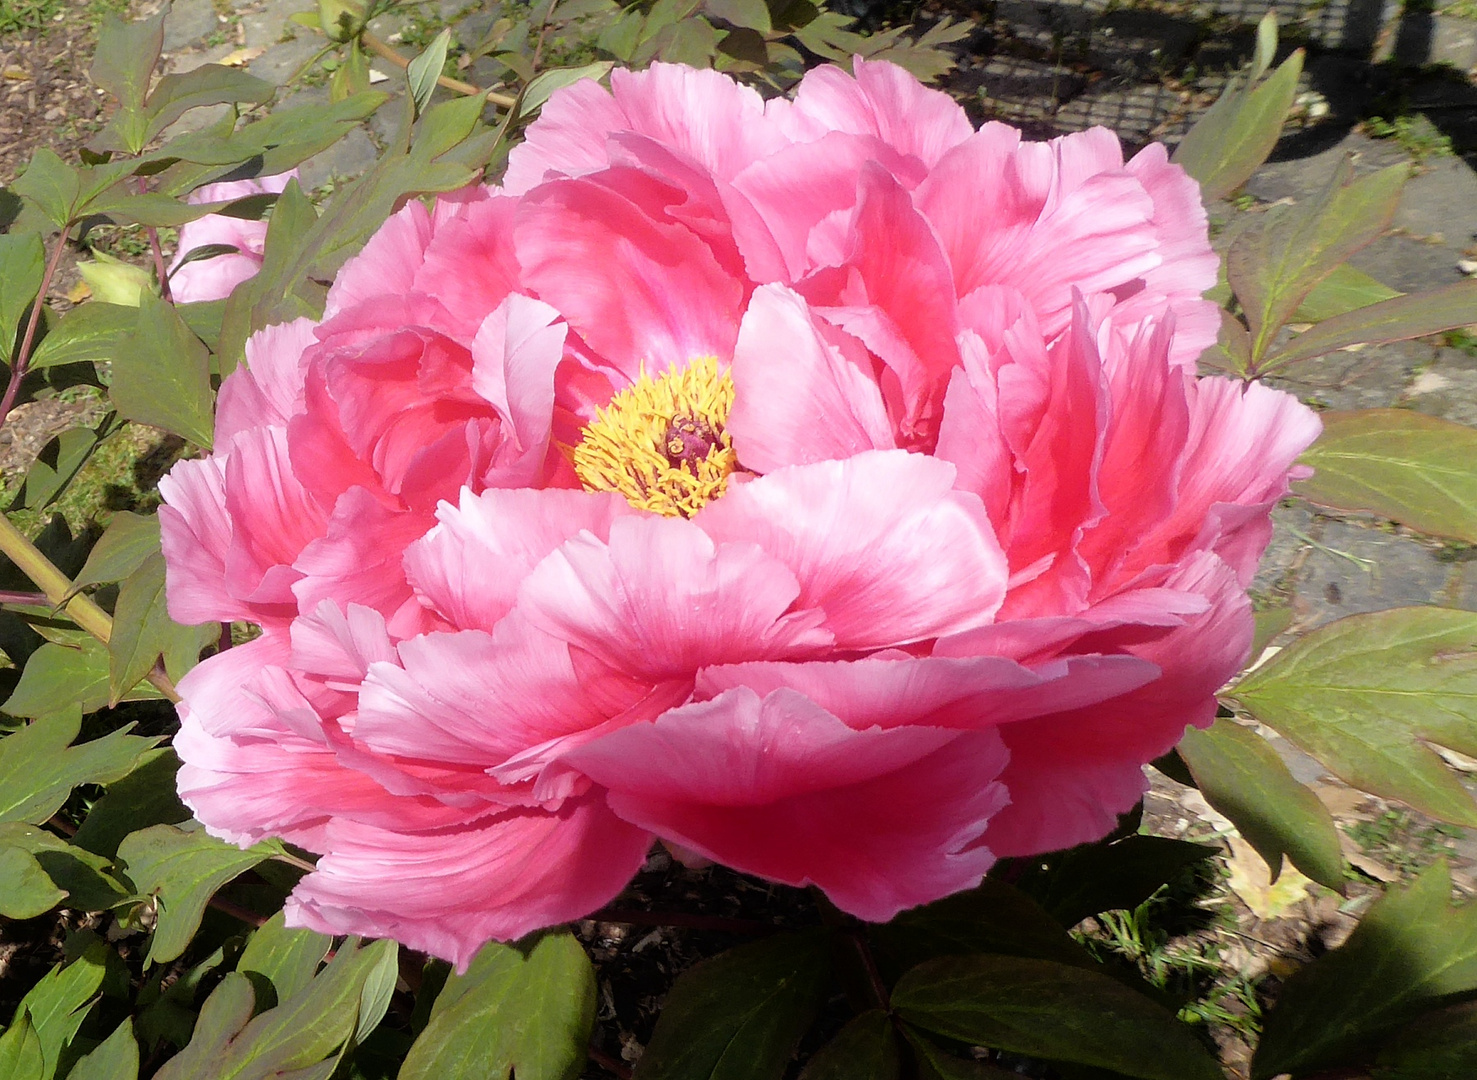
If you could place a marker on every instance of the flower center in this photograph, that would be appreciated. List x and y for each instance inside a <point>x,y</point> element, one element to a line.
<point>661,442</point>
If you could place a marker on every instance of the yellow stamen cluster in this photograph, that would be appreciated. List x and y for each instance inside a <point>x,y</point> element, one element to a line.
<point>661,442</point>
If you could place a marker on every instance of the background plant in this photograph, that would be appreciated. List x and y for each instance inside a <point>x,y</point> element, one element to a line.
<point>177,964</point>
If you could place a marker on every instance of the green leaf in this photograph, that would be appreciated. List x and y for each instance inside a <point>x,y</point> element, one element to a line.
<point>61,1000</point>
<point>129,540</point>
<point>82,876</point>
<point>525,1010</point>
<point>115,1058</point>
<point>1345,289</point>
<point>1237,133</point>
<point>1240,775</point>
<point>1441,1045</point>
<point>1366,695</point>
<point>39,767</point>
<point>143,630</point>
<point>993,918</point>
<point>208,84</point>
<point>57,465</point>
<point>1121,874</point>
<point>270,296</point>
<point>1409,316</point>
<point>753,14</point>
<point>226,1011</point>
<point>740,1015</point>
<point>90,332</point>
<point>1410,951</point>
<point>1402,465</point>
<point>22,264</point>
<point>183,870</point>
<point>298,1034</point>
<point>422,72</point>
<point>1273,264</point>
<point>62,678</point>
<point>546,83</point>
<point>25,890</point>
<point>865,1049</point>
<point>20,1050</point>
<point>935,1064</point>
<point>1266,47</point>
<point>286,959</point>
<point>161,375</point>
<point>1053,1011</point>
<point>122,65</point>
<point>146,796</point>
<point>51,185</point>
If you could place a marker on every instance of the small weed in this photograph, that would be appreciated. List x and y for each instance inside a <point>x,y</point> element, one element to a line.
<point>1402,842</point>
<point>27,14</point>
<point>1416,135</point>
<point>1462,339</point>
<point>1460,9</point>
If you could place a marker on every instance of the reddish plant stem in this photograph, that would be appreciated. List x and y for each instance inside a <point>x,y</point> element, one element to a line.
<point>225,638</point>
<point>609,1064</point>
<point>751,927</point>
<point>869,965</point>
<point>160,270</point>
<point>30,599</point>
<point>236,911</point>
<point>23,354</point>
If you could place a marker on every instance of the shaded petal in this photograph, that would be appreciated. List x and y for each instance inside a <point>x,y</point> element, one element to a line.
<point>359,558</point>
<point>469,264</point>
<point>639,291</point>
<point>782,788</point>
<point>821,402</point>
<point>449,891</point>
<point>273,517</point>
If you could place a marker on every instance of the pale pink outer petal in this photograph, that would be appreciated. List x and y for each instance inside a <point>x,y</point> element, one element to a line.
<point>268,388</point>
<point>195,531</point>
<point>450,890</point>
<point>822,403</point>
<point>661,600</point>
<point>882,100</point>
<point>1243,439</point>
<point>387,264</point>
<point>700,114</point>
<point>470,566</point>
<point>203,280</point>
<point>1070,775</point>
<point>248,775</point>
<point>273,517</point>
<point>881,542</point>
<point>469,263</point>
<point>641,292</point>
<point>881,820</point>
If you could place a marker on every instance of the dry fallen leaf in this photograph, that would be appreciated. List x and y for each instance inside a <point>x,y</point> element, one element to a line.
<point>241,57</point>
<point>79,292</point>
<point>1251,880</point>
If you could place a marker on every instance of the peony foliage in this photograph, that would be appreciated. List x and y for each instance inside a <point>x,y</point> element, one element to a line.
<point>640,466</point>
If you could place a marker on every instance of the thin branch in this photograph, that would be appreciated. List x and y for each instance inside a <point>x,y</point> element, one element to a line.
<point>160,270</point>
<point>236,911</point>
<point>56,586</point>
<point>26,599</point>
<point>869,965</point>
<point>375,45</point>
<point>23,355</point>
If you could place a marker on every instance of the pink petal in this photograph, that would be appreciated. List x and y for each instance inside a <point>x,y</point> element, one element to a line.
<point>195,531</point>
<point>661,599</point>
<point>821,403</point>
<point>1071,775</point>
<point>781,788</point>
<point>268,389</point>
<point>567,139</point>
<point>514,358</point>
<point>359,559</point>
<point>387,264</point>
<point>639,291</point>
<point>471,565</point>
<point>882,100</point>
<point>215,278</point>
<point>469,264</point>
<point>449,891</point>
<point>880,542</point>
<point>274,517</point>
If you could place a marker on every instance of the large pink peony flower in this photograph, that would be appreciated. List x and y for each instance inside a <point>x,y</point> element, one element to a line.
<point>215,277</point>
<point>822,487</point>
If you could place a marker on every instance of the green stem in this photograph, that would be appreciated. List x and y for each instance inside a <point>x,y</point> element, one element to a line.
<point>56,585</point>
